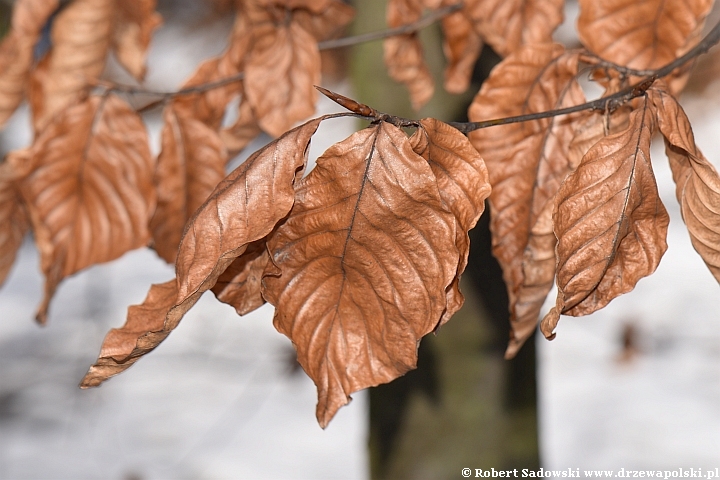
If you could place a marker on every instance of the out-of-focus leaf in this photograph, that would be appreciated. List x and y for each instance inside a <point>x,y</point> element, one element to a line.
<point>697,180</point>
<point>365,259</point>
<point>642,35</point>
<point>245,129</point>
<point>14,221</point>
<point>135,21</point>
<point>527,162</point>
<point>403,54</point>
<point>462,46</point>
<point>508,24</point>
<point>16,51</point>
<point>610,223</point>
<point>244,208</point>
<point>280,72</point>
<point>190,165</point>
<point>463,183</point>
<point>89,191</point>
<point>328,23</point>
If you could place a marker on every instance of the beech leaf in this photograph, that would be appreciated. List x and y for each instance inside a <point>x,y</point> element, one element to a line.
<point>89,191</point>
<point>462,179</point>
<point>190,165</point>
<point>80,35</point>
<point>697,180</point>
<point>240,284</point>
<point>462,46</point>
<point>14,221</point>
<point>243,208</point>
<point>365,259</point>
<point>135,21</point>
<point>527,162</point>
<point>610,223</point>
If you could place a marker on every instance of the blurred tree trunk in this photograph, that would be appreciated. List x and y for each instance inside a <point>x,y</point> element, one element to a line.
<point>464,406</point>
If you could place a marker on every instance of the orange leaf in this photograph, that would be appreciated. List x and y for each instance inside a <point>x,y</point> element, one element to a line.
<point>508,24</point>
<point>190,165</point>
<point>89,191</point>
<point>280,72</point>
<point>14,221</point>
<point>330,22</point>
<point>135,22</point>
<point>463,182</point>
<point>245,129</point>
<point>239,285</point>
<point>16,51</point>
<point>610,223</point>
<point>244,208</point>
<point>698,183</point>
<point>527,163</point>
<point>365,259</point>
<point>462,46</point>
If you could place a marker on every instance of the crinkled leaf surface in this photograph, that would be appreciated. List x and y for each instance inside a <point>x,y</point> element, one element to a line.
<point>365,259</point>
<point>463,182</point>
<point>610,223</point>
<point>89,191</point>
<point>697,180</point>
<point>240,284</point>
<point>190,165</point>
<point>244,208</point>
<point>527,163</point>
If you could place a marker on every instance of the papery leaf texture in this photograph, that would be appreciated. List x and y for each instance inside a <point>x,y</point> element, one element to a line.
<point>190,165</point>
<point>16,51</point>
<point>244,208</point>
<point>508,24</point>
<point>365,259</point>
<point>697,180</point>
<point>135,21</point>
<point>644,34</point>
<point>240,284</point>
<point>14,221</point>
<point>462,179</point>
<point>403,54</point>
<point>280,71</point>
<point>89,188</point>
<point>610,223</point>
<point>81,35</point>
<point>527,162</point>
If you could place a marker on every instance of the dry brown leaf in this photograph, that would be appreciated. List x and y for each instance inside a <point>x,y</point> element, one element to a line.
<point>245,129</point>
<point>463,182</point>
<point>89,191</point>
<point>239,285</point>
<point>403,54</point>
<point>697,180</point>
<point>508,24</point>
<point>16,51</point>
<point>329,22</point>
<point>14,221</point>
<point>135,22</point>
<point>610,223</point>
<point>365,258</point>
<point>462,46</point>
<point>190,165</point>
<point>641,35</point>
<point>280,71</point>
<point>244,208</point>
<point>527,163</point>
<point>81,35</point>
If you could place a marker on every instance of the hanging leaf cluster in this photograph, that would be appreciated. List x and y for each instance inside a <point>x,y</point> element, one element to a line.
<point>362,256</point>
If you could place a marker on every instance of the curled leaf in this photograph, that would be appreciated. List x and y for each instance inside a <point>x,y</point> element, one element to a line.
<point>240,284</point>
<point>610,223</point>
<point>463,183</point>
<point>697,180</point>
<point>365,259</point>
<point>89,189</point>
<point>243,208</point>
<point>135,21</point>
<point>462,46</point>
